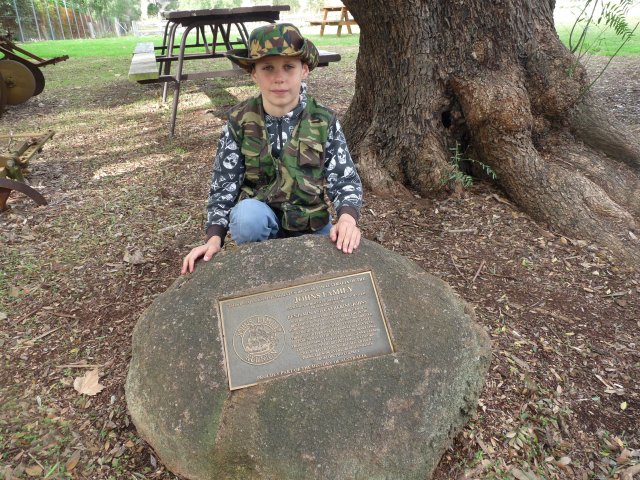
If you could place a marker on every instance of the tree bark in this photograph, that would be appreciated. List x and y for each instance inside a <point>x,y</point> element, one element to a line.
<point>494,79</point>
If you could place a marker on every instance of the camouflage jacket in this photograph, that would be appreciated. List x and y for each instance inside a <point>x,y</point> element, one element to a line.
<point>291,183</point>
<point>232,176</point>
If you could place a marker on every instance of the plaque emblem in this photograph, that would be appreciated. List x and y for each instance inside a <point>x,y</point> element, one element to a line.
<point>259,340</point>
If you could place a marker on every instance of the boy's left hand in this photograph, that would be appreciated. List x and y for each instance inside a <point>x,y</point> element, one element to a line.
<point>345,234</point>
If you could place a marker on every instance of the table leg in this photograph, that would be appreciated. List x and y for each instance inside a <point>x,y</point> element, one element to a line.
<point>324,21</point>
<point>244,34</point>
<point>214,32</point>
<point>164,39</point>
<point>178,80</point>
<point>346,19</point>
<point>204,39</point>
<point>214,38</point>
<point>225,36</point>
<point>167,64</point>
<point>174,108</point>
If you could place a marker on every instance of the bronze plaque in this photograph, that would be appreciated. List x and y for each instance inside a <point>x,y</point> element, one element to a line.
<point>290,330</point>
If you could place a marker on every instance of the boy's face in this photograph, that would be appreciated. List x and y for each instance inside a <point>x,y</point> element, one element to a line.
<point>279,80</point>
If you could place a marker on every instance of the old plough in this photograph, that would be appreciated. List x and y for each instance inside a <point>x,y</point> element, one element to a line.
<point>15,152</point>
<point>20,75</point>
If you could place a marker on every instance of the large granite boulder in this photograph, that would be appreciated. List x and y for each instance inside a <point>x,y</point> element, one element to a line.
<point>388,417</point>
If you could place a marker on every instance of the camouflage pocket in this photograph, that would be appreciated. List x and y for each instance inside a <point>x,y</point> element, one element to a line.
<point>258,169</point>
<point>310,191</point>
<point>310,153</point>
<point>300,219</point>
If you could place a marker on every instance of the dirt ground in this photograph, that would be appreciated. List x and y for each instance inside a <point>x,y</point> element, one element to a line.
<point>562,398</point>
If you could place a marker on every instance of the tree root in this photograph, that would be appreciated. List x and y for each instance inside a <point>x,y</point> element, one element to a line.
<point>601,132</point>
<point>547,184</point>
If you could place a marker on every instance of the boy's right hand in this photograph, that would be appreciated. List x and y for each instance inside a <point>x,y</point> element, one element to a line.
<point>209,249</point>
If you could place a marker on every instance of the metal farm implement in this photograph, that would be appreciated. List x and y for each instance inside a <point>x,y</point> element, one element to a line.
<point>20,75</point>
<point>15,152</point>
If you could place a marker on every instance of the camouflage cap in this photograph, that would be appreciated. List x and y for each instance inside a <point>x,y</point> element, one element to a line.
<point>278,39</point>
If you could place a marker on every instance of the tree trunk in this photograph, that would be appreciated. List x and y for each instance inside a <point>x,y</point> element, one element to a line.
<point>494,78</point>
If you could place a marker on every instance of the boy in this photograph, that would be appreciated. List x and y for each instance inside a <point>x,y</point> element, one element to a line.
<point>277,153</point>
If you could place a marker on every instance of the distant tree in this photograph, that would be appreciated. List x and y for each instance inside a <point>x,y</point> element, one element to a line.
<point>7,16</point>
<point>294,4</point>
<point>153,9</point>
<point>9,20</point>
<point>113,8</point>
<point>157,6</point>
<point>315,4</point>
<point>6,7</point>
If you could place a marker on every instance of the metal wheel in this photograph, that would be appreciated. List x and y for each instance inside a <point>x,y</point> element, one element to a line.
<point>6,185</point>
<point>19,82</point>
<point>3,95</point>
<point>37,74</point>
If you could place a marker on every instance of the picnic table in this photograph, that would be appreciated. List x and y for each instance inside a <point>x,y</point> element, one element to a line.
<point>213,33</point>
<point>343,20</point>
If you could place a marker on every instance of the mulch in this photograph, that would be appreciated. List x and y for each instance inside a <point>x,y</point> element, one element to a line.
<point>562,397</point>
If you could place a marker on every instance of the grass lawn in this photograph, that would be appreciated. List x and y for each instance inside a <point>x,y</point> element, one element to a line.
<point>600,41</point>
<point>99,61</point>
<point>603,41</point>
<point>123,46</point>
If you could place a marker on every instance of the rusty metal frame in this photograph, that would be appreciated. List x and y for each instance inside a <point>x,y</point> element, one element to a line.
<point>9,49</point>
<point>15,161</point>
<point>6,185</point>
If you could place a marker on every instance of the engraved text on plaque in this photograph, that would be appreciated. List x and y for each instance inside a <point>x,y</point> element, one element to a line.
<point>293,329</point>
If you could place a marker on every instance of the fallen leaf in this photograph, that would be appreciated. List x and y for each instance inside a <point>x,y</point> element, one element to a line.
<point>88,384</point>
<point>564,463</point>
<point>33,471</point>
<point>3,316</point>
<point>630,472</point>
<point>624,456</point>
<point>135,258</point>
<point>73,461</point>
<point>520,475</point>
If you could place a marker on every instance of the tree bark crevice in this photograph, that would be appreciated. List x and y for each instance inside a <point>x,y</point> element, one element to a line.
<point>602,132</point>
<point>493,78</point>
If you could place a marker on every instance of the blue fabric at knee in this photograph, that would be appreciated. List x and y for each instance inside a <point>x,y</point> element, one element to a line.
<point>324,230</point>
<point>252,221</point>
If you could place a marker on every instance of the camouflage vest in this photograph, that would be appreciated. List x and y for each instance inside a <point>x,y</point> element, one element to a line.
<point>292,185</point>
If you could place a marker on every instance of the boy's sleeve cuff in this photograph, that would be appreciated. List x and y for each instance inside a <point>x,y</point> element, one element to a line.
<point>218,230</point>
<point>350,210</point>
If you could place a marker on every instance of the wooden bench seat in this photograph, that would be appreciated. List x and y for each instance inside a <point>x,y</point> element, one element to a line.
<point>334,23</point>
<point>143,64</point>
<point>145,68</point>
<point>343,21</point>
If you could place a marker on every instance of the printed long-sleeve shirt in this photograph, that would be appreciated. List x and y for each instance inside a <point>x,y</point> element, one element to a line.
<point>342,180</point>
